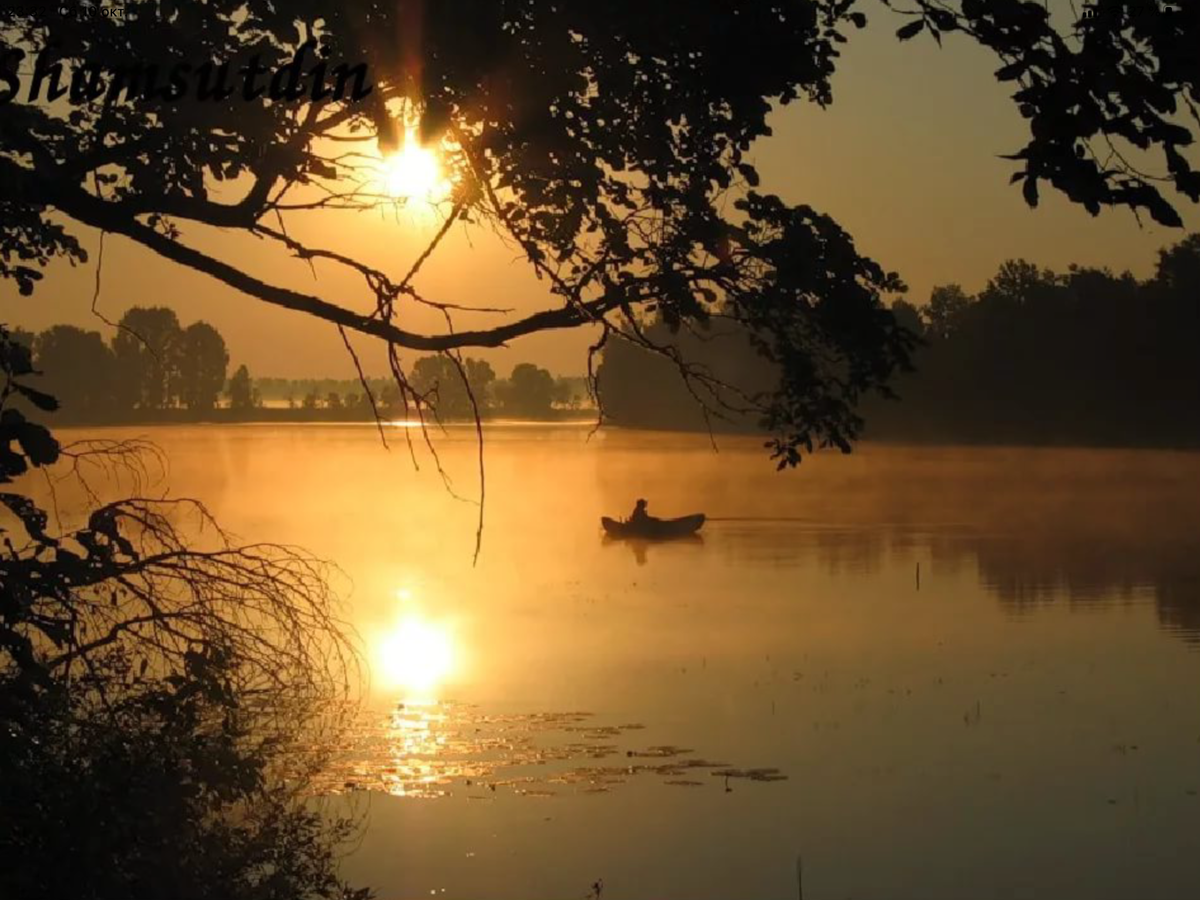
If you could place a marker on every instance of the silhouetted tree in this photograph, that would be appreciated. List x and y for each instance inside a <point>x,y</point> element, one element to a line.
<point>160,702</point>
<point>1081,356</point>
<point>1178,271</point>
<point>389,398</point>
<point>946,304</point>
<point>241,390</point>
<point>529,392</point>
<point>199,360</point>
<point>570,392</point>
<point>143,347</point>
<point>81,370</point>
<point>153,364</point>
<point>642,387</point>
<point>22,337</point>
<point>568,127</point>
<point>24,444</point>
<point>1116,75</point>
<point>439,381</point>
<point>1018,282</point>
<point>908,317</point>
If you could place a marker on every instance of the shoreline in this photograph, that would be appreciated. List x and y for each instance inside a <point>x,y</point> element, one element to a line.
<point>268,416</point>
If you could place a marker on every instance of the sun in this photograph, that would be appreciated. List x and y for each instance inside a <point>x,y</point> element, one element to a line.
<point>414,172</point>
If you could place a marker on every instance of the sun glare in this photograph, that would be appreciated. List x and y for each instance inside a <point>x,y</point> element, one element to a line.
<point>415,172</point>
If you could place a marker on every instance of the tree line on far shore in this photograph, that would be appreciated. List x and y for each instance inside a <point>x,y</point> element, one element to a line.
<point>1083,356</point>
<point>529,392</point>
<point>151,363</point>
<point>154,367</point>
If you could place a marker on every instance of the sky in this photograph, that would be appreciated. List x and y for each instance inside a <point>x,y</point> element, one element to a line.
<point>907,159</point>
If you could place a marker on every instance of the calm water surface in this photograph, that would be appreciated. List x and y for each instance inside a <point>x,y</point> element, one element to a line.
<point>1021,719</point>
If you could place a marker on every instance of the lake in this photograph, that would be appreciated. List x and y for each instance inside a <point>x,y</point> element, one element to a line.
<point>920,672</point>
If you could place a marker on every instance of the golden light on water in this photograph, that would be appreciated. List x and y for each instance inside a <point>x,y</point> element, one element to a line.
<point>417,654</point>
<point>415,172</point>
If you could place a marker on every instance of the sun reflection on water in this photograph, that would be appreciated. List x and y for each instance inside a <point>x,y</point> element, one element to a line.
<point>416,742</point>
<point>424,744</point>
<point>447,749</point>
<point>418,654</point>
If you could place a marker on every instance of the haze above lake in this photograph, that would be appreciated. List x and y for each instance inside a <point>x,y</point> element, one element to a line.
<point>929,672</point>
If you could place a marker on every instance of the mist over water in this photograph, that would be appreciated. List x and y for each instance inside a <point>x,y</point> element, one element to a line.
<point>978,669</point>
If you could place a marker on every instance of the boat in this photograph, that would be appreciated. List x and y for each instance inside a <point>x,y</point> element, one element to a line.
<point>652,529</point>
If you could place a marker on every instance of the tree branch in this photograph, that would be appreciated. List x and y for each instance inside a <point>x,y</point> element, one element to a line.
<point>88,210</point>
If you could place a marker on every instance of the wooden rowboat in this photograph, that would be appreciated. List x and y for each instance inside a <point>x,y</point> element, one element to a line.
<point>652,529</point>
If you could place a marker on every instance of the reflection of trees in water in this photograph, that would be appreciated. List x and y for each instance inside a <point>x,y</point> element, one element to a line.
<point>1179,607</point>
<point>1026,572</point>
<point>1036,570</point>
<point>840,551</point>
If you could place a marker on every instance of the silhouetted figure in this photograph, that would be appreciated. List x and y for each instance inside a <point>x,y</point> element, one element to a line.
<point>639,514</point>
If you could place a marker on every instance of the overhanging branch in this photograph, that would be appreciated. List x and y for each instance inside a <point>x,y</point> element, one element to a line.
<point>90,210</point>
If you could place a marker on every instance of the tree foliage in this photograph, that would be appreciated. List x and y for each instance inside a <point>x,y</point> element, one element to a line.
<point>642,388</point>
<point>450,388</point>
<point>241,390</point>
<point>1116,87</point>
<point>1079,356</point>
<point>143,348</point>
<point>199,359</point>
<point>80,368</point>
<point>151,364</point>
<point>946,304</point>
<point>608,143</point>
<point>1083,356</point>
<point>607,155</point>
<point>529,392</point>
<point>23,443</point>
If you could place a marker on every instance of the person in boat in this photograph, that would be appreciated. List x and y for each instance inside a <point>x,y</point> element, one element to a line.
<point>639,516</point>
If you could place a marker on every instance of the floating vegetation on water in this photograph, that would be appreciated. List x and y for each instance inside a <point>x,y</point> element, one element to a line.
<point>751,774</point>
<point>426,751</point>
<point>658,752</point>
